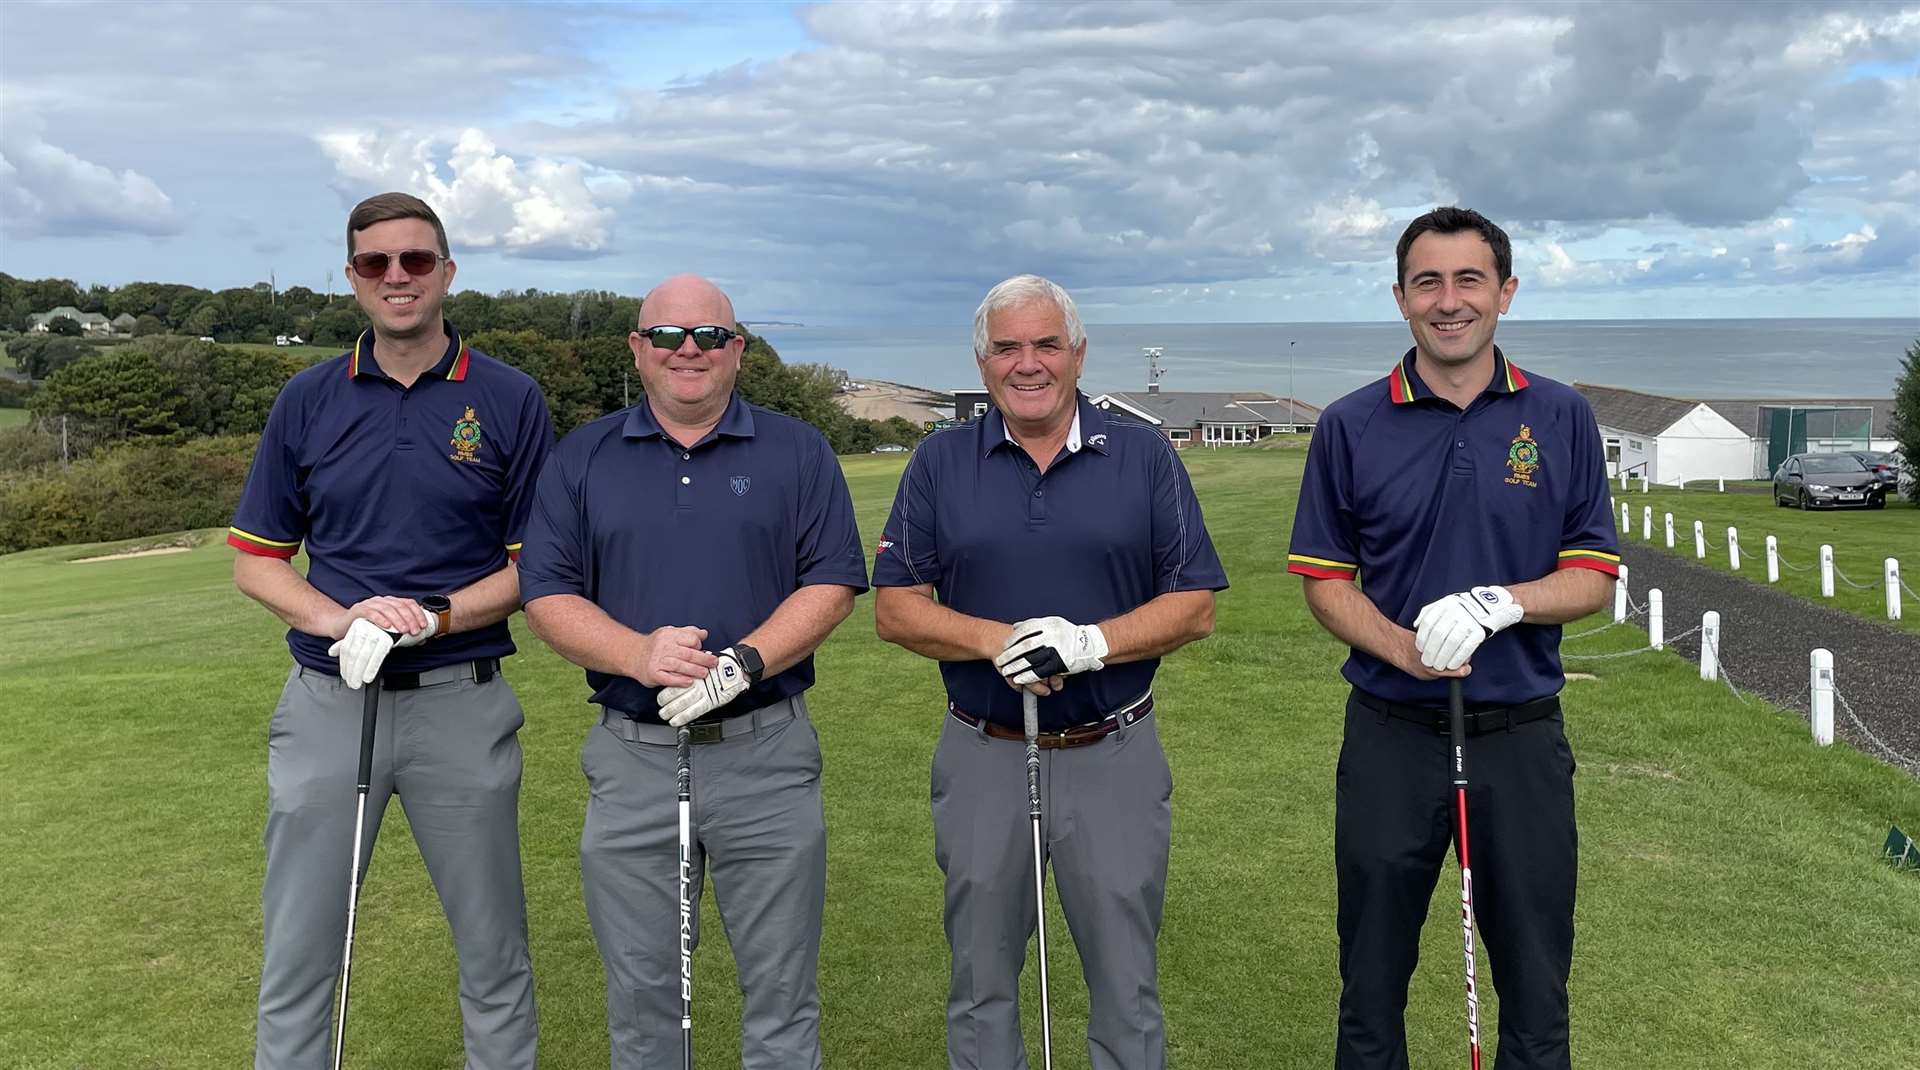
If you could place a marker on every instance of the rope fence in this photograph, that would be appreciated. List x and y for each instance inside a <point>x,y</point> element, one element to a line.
<point>1856,586</point>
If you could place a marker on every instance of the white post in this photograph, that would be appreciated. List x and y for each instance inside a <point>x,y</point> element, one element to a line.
<point>1773,560</point>
<point>1699,541</point>
<point>1656,620</point>
<point>1723,484</point>
<point>1710,645</point>
<point>1623,478</point>
<point>1643,481</point>
<point>1626,517</point>
<point>1893,588</point>
<point>1733,548</point>
<point>1646,522</point>
<point>1822,689</point>
<point>1826,570</point>
<point>1620,596</point>
<point>1669,531</point>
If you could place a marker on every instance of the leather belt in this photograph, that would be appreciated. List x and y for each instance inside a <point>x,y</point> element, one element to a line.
<point>1489,719</point>
<point>1076,736</point>
<point>627,727</point>
<point>479,671</point>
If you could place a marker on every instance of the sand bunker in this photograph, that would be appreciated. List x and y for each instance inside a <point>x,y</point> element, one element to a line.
<point>155,552</point>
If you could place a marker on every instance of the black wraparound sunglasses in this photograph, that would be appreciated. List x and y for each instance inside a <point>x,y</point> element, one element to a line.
<point>667,336</point>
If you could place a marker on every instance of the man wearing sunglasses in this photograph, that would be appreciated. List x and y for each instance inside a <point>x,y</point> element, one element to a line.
<point>691,552</point>
<point>405,467</point>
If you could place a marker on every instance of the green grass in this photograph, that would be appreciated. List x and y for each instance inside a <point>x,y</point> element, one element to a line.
<point>1861,539</point>
<point>18,418</point>
<point>305,352</point>
<point>1732,910</point>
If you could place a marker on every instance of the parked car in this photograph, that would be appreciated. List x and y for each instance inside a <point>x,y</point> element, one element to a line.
<point>1882,464</point>
<point>1822,479</point>
<point>890,447</point>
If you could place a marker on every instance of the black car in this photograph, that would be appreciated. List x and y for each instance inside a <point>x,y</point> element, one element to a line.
<point>1818,479</point>
<point>1884,465</point>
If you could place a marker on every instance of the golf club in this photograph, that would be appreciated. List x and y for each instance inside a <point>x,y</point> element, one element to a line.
<point>369,715</point>
<point>684,776</point>
<point>1030,712</point>
<point>1457,725</point>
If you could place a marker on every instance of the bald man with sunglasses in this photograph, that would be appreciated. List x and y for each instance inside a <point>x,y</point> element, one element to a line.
<point>691,552</point>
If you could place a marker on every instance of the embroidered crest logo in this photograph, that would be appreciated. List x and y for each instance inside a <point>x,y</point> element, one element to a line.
<point>1523,458</point>
<point>466,437</point>
<point>740,485</point>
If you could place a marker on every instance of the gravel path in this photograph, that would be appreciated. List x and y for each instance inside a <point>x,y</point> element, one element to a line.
<point>1765,637</point>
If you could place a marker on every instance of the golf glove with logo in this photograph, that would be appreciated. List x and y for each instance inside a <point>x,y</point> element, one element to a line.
<point>1450,629</point>
<point>722,684</point>
<point>1050,646</point>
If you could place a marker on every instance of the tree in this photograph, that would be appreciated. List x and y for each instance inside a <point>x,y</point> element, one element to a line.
<point>121,392</point>
<point>40,355</point>
<point>207,319</point>
<point>1906,418</point>
<point>64,327</point>
<point>552,364</point>
<point>148,324</point>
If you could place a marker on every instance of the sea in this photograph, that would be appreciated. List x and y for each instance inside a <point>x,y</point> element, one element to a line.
<point>1318,362</point>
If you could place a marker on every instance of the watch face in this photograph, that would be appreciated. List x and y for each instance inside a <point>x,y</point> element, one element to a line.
<point>437,603</point>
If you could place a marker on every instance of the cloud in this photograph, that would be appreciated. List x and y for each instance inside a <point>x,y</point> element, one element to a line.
<point>46,191</point>
<point>542,208</point>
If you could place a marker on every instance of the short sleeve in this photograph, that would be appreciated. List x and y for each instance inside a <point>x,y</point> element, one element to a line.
<point>1588,538</point>
<point>533,441</point>
<point>828,549</point>
<point>1183,555</point>
<point>271,520</point>
<point>554,553</point>
<point>908,553</point>
<point>1323,545</point>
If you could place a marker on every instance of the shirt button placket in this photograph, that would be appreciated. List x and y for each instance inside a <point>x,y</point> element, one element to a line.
<point>683,486</point>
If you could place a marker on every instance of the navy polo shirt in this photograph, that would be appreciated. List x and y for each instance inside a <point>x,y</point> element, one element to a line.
<point>403,491</point>
<point>1111,524</point>
<point>1419,499</point>
<point>713,536</point>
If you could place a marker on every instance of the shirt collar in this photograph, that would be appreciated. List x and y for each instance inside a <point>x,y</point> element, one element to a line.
<point>452,366</point>
<point>1404,385</point>
<point>1089,428</point>
<point>735,422</point>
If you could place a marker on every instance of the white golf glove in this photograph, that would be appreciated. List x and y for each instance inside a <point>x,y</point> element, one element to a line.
<point>1050,646</point>
<point>1450,629</point>
<point>416,638</point>
<point>722,684</point>
<point>361,651</point>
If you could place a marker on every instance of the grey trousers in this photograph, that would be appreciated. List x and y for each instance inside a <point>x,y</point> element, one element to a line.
<point>1106,826</point>
<point>450,752</point>
<point>759,829</point>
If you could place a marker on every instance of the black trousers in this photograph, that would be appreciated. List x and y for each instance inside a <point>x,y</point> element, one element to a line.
<point>1393,824</point>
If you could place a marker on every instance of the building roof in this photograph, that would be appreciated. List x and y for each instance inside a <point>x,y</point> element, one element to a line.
<point>1191,408</point>
<point>1631,410</point>
<point>70,312</point>
<point>1744,413</point>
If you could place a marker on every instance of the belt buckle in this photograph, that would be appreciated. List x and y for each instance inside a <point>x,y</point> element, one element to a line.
<point>705,732</point>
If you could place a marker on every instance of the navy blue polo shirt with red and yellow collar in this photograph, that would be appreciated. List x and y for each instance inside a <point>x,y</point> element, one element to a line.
<point>1418,499</point>
<point>714,536</point>
<point>403,491</point>
<point>1109,526</point>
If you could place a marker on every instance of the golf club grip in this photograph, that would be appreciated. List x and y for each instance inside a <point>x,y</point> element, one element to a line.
<point>1457,731</point>
<point>683,768</point>
<point>368,716</point>
<point>1030,716</point>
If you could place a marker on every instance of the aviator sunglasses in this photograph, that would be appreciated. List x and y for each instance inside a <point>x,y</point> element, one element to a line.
<point>670,337</point>
<point>412,261</point>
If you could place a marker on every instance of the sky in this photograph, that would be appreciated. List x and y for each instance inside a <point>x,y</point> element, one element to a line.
<point>885,163</point>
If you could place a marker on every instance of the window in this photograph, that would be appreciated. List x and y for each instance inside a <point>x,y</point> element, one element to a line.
<point>1227,433</point>
<point>1613,451</point>
<point>1636,445</point>
<point>1180,435</point>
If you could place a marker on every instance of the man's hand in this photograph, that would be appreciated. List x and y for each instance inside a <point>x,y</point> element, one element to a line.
<point>415,638</point>
<point>401,616</point>
<point>361,651</point>
<point>1450,629</point>
<point>678,705</point>
<point>1043,647</point>
<point>672,658</point>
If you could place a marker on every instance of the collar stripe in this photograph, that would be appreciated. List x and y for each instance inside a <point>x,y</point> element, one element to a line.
<point>1397,387</point>
<point>459,371</point>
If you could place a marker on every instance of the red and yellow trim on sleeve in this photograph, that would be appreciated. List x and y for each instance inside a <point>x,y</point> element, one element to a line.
<point>1320,568</point>
<point>513,550</point>
<point>459,370</point>
<point>260,545</point>
<point>1398,389</point>
<point>1597,560</point>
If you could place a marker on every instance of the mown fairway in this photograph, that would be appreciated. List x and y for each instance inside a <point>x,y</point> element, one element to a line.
<point>1732,913</point>
<point>1861,539</point>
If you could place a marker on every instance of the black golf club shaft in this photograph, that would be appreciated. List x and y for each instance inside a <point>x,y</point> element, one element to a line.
<point>1457,731</point>
<point>370,714</point>
<point>1030,715</point>
<point>684,777</point>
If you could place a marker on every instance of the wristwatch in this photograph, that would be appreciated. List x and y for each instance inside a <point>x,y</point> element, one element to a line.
<point>750,660</point>
<point>441,607</point>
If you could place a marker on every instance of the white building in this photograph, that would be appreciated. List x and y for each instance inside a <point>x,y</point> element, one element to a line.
<point>1675,440</point>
